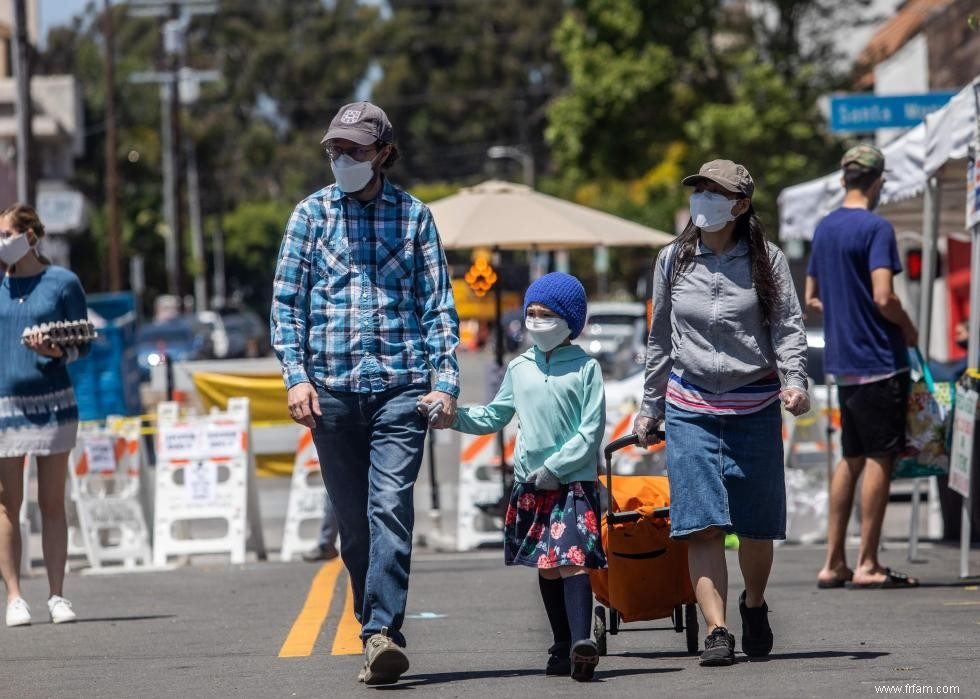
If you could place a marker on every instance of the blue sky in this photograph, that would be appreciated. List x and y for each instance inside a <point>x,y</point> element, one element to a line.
<point>55,12</point>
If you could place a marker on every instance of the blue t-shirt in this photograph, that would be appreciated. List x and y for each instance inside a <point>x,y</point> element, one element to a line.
<point>847,246</point>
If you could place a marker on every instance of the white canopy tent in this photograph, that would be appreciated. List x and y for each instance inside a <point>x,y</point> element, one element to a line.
<point>925,193</point>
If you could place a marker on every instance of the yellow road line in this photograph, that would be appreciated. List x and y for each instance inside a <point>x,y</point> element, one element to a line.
<point>302,637</point>
<point>961,604</point>
<point>347,641</point>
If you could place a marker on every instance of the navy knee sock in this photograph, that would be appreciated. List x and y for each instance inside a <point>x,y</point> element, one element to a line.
<point>552,594</point>
<point>578,605</point>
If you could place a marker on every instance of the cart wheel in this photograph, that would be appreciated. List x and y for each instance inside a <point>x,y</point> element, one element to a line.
<point>678,616</point>
<point>600,628</point>
<point>613,621</point>
<point>691,621</point>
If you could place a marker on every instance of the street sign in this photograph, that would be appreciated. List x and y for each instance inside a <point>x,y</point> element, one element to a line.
<point>867,112</point>
<point>964,417</point>
<point>62,210</point>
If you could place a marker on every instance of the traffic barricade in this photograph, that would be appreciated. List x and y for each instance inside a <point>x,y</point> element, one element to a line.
<point>205,478</point>
<point>306,501</point>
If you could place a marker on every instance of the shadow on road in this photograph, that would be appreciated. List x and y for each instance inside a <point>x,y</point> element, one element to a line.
<point>808,655</point>
<point>412,681</point>
<point>147,617</point>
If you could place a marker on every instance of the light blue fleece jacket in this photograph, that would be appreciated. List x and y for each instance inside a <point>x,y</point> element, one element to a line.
<point>561,413</point>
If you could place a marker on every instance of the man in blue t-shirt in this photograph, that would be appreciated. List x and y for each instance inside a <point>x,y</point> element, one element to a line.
<point>867,331</point>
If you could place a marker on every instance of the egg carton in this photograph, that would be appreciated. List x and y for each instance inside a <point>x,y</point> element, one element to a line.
<point>64,333</point>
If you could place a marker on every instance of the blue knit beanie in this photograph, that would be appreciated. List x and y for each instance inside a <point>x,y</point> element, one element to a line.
<point>562,294</point>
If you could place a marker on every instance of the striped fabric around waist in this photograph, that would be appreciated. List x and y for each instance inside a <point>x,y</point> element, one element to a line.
<point>740,401</point>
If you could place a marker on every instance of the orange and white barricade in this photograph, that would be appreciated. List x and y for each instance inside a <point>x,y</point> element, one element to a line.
<point>104,468</point>
<point>205,479</point>
<point>306,501</point>
<point>480,483</point>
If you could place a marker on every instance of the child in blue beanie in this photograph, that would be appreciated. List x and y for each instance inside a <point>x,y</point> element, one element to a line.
<point>552,522</point>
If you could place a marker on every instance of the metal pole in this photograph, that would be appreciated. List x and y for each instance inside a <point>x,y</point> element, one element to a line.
<point>173,40</point>
<point>111,174</point>
<point>498,358</point>
<point>24,108</point>
<point>218,245</point>
<point>930,236</point>
<point>197,232</point>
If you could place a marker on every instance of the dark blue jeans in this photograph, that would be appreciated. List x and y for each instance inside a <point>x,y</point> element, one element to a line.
<point>370,448</point>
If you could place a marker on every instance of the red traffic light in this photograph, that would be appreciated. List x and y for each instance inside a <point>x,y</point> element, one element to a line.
<point>913,264</point>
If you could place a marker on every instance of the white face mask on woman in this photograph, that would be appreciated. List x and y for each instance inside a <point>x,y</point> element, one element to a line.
<point>14,248</point>
<point>710,212</point>
<point>351,175</point>
<point>547,333</point>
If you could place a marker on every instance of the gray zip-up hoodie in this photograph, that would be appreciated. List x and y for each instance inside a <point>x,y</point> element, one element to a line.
<point>708,326</point>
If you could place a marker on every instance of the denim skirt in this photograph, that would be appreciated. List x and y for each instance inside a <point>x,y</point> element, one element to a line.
<point>726,471</point>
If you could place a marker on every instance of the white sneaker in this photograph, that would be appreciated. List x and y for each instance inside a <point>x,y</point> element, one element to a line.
<point>18,613</point>
<point>61,611</point>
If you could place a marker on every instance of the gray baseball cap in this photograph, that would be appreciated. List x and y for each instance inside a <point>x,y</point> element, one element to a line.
<point>361,122</point>
<point>732,176</point>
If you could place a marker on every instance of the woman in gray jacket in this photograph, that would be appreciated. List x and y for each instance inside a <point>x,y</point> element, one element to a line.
<point>726,347</point>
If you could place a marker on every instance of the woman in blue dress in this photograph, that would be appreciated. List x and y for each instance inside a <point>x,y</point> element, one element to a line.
<point>38,413</point>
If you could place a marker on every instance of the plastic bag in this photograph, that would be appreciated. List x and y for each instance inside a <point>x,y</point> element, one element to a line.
<point>928,427</point>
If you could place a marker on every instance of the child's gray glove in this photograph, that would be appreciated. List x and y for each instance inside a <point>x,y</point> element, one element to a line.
<point>431,410</point>
<point>543,479</point>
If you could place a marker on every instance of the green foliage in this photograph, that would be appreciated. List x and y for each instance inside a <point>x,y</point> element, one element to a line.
<point>252,235</point>
<point>645,77</point>
<point>459,77</point>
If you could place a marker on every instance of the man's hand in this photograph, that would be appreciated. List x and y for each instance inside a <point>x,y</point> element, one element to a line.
<point>36,342</point>
<point>448,416</point>
<point>303,404</point>
<point>795,400</point>
<point>646,430</point>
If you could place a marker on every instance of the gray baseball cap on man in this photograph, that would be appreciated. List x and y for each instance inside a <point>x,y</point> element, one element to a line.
<point>732,176</point>
<point>361,122</point>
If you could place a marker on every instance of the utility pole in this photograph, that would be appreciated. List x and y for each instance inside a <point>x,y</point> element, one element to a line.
<point>111,172</point>
<point>177,14</point>
<point>22,70</point>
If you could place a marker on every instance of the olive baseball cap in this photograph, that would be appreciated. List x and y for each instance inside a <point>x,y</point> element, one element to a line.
<point>361,122</point>
<point>864,156</point>
<point>732,176</point>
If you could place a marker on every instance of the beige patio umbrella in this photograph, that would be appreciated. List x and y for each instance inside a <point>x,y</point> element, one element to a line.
<point>498,214</point>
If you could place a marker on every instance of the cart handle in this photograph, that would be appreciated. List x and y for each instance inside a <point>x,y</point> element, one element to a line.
<point>630,440</point>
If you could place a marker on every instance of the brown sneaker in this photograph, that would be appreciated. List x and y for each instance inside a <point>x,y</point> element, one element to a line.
<point>384,660</point>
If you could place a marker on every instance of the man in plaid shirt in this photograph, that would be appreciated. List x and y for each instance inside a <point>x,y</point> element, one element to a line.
<point>362,312</point>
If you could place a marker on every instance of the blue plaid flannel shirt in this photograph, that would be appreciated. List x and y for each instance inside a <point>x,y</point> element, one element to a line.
<point>362,299</point>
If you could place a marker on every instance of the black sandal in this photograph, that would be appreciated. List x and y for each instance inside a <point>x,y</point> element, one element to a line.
<point>893,580</point>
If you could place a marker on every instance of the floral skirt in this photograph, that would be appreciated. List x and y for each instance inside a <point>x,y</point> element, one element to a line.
<point>551,528</point>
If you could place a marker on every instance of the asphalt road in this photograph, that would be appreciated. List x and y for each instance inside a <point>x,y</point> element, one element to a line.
<point>476,629</point>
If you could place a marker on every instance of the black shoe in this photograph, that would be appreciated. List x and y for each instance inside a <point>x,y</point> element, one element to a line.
<point>719,648</point>
<point>756,632</point>
<point>584,656</point>
<point>559,662</point>
<point>320,553</point>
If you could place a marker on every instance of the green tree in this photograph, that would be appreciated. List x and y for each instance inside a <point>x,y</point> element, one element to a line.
<point>459,77</point>
<point>719,79</point>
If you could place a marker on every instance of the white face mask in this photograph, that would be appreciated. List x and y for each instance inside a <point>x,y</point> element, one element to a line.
<point>13,249</point>
<point>352,176</point>
<point>547,333</point>
<point>710,212</point>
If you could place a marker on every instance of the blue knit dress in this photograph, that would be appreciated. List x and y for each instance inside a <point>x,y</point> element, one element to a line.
<point>38,413</point>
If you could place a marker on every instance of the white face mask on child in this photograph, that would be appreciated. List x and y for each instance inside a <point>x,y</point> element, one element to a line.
<point>547,333</point>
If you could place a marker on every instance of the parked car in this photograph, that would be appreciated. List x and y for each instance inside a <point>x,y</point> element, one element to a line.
<point>237,332</point>
<point>180,339</point>
<point>612,332</point>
